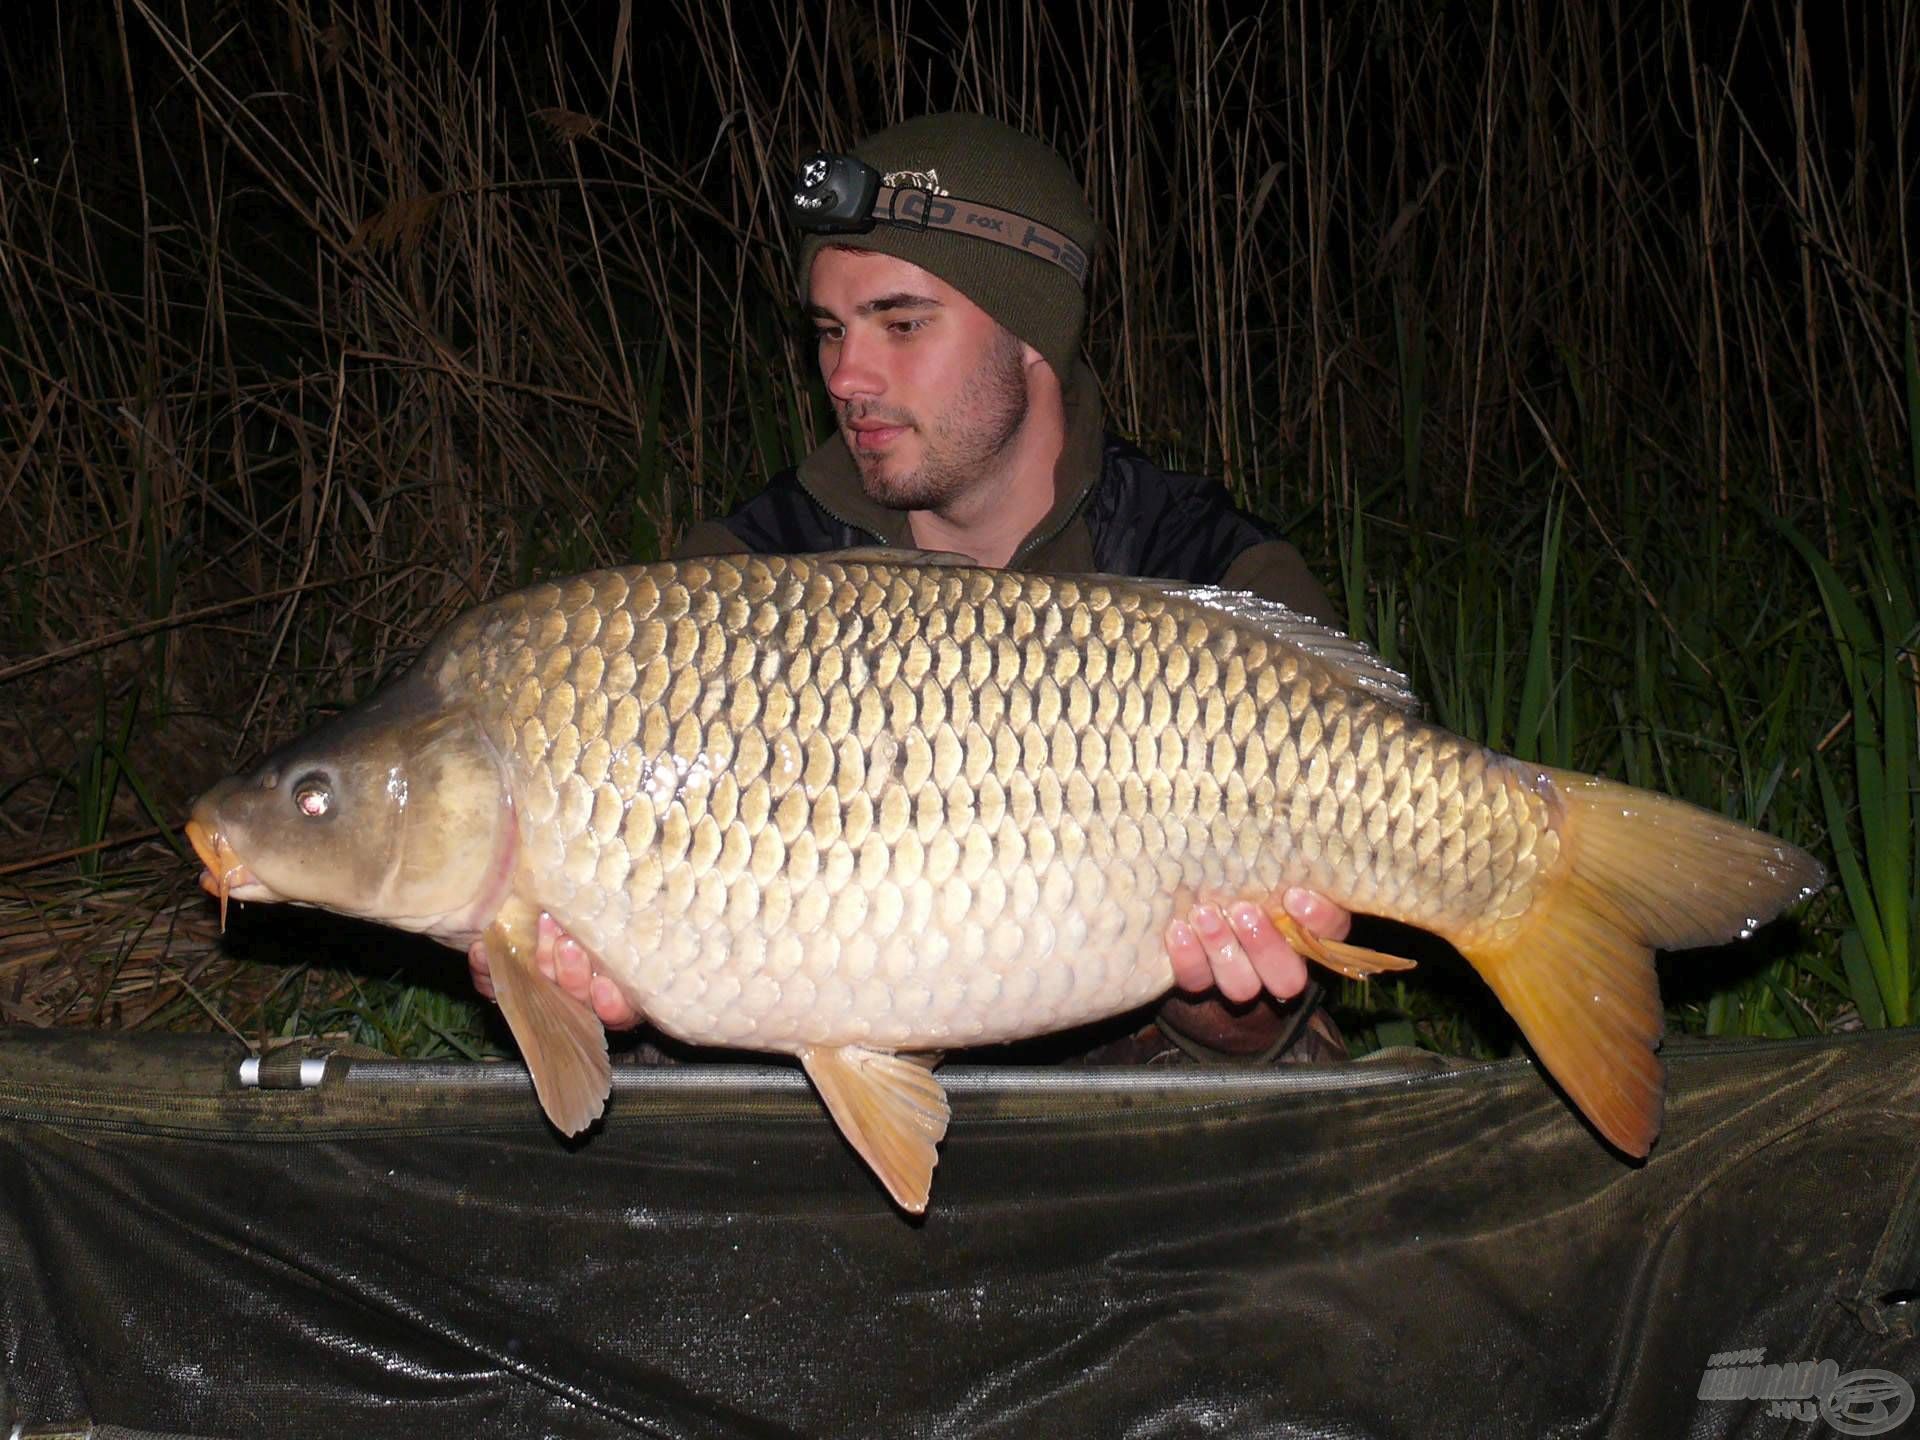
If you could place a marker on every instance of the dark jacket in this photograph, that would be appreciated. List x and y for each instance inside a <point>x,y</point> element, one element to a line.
<point>1115,513</point>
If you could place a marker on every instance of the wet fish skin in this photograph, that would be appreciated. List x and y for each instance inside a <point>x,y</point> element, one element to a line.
<point>844,808</point>
<point>777,779</point>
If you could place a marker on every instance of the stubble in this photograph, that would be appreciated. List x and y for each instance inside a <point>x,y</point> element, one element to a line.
<point>961,446</point>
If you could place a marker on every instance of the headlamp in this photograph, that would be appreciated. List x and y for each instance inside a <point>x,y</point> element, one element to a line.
<point>843,195</point>
<point>833,195</point>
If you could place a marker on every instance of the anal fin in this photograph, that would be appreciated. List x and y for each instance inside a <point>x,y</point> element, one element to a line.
<point>890,1108</point>
<point>560,1038</point>
<point>1356,962</point>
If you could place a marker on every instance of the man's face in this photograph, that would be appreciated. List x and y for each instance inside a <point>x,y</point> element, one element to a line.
<point>930,391</point>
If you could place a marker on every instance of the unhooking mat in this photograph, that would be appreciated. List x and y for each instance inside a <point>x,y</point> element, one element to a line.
<point>1395,1247</point>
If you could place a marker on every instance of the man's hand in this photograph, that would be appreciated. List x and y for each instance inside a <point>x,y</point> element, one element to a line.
<point>565,961</point>
<point>1241,952</point>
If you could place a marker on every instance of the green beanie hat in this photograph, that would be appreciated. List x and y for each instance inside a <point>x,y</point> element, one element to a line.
<point>989,163</point>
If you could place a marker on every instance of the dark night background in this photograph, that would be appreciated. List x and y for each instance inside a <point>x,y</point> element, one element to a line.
<point>1573,345</point>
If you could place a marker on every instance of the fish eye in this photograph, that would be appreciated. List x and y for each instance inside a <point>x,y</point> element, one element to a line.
<point>312,797</point>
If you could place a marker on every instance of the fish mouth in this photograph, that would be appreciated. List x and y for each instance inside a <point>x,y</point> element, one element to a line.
<point>226,874</point>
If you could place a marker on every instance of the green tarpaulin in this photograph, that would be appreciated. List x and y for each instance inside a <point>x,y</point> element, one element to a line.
<point>1392,1247</point>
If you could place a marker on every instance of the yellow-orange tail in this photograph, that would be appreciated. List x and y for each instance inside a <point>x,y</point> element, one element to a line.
<point>1637,872</point>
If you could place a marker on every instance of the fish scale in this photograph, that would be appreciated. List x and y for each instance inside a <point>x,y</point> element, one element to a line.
<point>781,740</point>
<point>857,807</point>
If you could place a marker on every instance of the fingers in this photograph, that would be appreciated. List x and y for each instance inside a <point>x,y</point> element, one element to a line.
<point>569,964</point>
<point>1233,971</point>
<point>1240,952</point>
<point>1206,954</point>
<point>1192,970</point>
<point>1278,967</point>
<point>611,1005</point>
<point>479,970</point>
<point>1319,914</point>
<point>563,959</point>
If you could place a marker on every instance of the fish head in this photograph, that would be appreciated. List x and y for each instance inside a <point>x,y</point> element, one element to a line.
<point>397,811</point>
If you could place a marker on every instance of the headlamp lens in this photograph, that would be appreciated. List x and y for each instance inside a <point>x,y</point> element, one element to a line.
<point>833,194</point>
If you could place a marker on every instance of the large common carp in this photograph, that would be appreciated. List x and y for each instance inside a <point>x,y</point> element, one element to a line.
<point>866,807</point>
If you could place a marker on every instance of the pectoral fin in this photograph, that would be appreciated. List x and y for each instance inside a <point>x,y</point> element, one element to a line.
<point>891,1110</point>
<point>561,1039</point>
<point>1356,962</point>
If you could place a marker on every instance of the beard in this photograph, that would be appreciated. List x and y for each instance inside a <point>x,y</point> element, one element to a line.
<point>959,446</point>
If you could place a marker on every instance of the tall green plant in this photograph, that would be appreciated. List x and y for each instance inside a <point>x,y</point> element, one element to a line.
<point>1873,838</point>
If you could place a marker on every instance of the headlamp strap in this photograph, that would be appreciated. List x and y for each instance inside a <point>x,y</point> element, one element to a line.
<point>910,205</point>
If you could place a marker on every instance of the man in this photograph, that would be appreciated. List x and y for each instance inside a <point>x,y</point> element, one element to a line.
<point>968,423</point>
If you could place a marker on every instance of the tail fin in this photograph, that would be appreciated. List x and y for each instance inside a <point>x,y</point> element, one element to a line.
<point>1637,872</point>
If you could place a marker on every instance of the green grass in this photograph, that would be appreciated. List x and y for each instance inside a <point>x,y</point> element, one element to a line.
<point>398,1018</point>
<point>1749,676</point>
<point>1871,823</point>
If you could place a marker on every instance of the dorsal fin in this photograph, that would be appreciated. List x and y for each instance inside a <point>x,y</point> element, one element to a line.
<point>893,555</point>
<point>1355,661</point>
